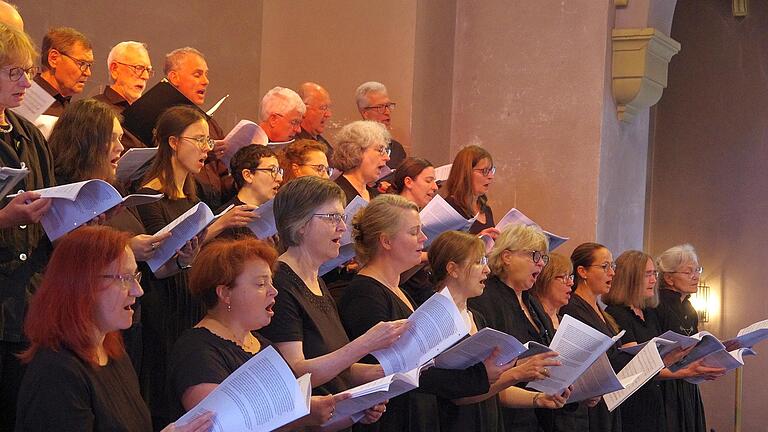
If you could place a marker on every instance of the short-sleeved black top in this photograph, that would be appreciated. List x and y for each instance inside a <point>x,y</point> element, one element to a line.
<point>300,315</point>
<point>62,392</point>
<point>199,357</point>
<point>477,226</point>
<point>365,303</point>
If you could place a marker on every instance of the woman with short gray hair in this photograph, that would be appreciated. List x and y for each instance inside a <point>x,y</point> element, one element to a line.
<point>306,328</point>
<point>362,151</point>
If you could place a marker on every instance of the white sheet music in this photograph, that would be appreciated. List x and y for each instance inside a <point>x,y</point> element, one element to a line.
<point>45,124</point>
<point>354,206</point>
<point>346,253</point>
<point>131,161</point>
<point>723,359</point>
<point>216,106</point>
<point>36,101</point>
<point>140,199</point>
<point>74,204</point>
<point>182,229</point>
<point>375,392</point>
<point>433,327</point>
<point>706,343</point>
<point>264,225</point>
<point>261,395</point>
<point>10,177</point>
<point>442,172</point>
<point>664,346</point>
<point>243,134</point>
<point>644,366</point>
<point>438,217</point>
<point>478,347</point>
<point>578,346</point>
<point>750,335</point>
<point>515,216</point>
<point>597,380</point>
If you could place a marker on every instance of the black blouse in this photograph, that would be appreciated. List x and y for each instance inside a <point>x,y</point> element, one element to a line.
<point>302,316</point>
<point>350,192</point>
<point>477,226</point>
<point>62,392</point>
<point>365,303</point>
<point>644,410</point>
<point>684,406</point>
<point>502,311</point>
<point>199,357</point>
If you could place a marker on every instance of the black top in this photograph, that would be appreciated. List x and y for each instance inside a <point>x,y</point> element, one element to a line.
<point>168,308</point>
<point>502,311</point>
<point>644,410</point>
<point>200,357</point>
<point>416,282</point>
<point>482,416</point>
<point>25,249</point>
<point>118,105</point>
<point>477,226</point>
<point>60,103</point>
<point>302,316</point>
<point>319,138</point>
<point>600,419</point>
<point>684,406</point>
<point>350,192</point>
<point>365,303</point>
<point>62,392</point>
<point>397,154</point>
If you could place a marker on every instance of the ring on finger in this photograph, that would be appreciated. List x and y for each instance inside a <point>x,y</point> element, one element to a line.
<point>154,246</point>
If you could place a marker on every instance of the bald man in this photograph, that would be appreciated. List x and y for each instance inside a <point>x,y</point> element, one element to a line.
<point>318,102</point>
<point>10,16</point>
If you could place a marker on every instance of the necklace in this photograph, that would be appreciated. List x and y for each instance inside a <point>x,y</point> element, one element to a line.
<point>6,128</point>
<point>251,344</point>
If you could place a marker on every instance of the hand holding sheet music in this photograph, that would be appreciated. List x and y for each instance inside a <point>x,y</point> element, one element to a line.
<point>438,217</point>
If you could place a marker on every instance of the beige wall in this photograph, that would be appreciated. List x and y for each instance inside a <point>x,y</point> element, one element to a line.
<point>710,181</point>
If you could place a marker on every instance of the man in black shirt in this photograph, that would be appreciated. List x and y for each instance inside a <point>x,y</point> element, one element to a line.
<point>67,59</point>
<point>318,103</point>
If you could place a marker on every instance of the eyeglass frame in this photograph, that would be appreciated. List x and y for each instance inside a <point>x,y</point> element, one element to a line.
<point>320,168</point>
<point>486,171</point>
<point>273,170</point>
<point>654,273</point>
<point>568,277</point>
<point>697,271</point>
<point>605,266</point>
<point>138,70</point>
<point>533,254</point>
<point>125,278</point>
<point>294,123</point>
<point>383,150</point>
<point>81,64</point>
<point>30,73</point>
<point>209,142</point>
<point>381,108</point>
<point>335,218</point>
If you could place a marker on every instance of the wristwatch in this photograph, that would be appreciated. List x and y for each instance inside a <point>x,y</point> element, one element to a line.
<point>181,267</point>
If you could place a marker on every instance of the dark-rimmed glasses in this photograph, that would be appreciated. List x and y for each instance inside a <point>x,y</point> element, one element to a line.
<point>81,64</point>
<point>605,266</point>
<point>138,70</point>
<point>535,255</point>
<point>274,171</point>
<point>566,278</point>
<point>15,73</point>
<point>320,168</point>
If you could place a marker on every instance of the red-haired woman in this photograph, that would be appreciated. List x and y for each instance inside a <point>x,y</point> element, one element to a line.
<point>471,176</point>
<point>79,376</point>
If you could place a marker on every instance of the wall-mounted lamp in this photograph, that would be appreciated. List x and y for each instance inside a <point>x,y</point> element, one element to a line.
<point>701,302</point>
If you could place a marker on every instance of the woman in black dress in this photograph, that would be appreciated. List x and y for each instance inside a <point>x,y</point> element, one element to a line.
<point>182,139</point>
<point>362,151</point>
<point>517,258</point>
<point>79,376</point>
<point>306,328</point>
<point>467,185</point>
<point>679,273</point>
<point>238,298</point>
<point>593,271</point>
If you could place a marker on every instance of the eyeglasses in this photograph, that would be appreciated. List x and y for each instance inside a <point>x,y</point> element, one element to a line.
<point>15,73</point>
<point>483,261</point>
<point>205,143</point>
<point>536,256</point>
<point>381,108</point>
<point>696,272</point>
<point>605,266</point>
<point>321,108</point>
<point>294,123</point>
<point>384,150</point>
<point>320,168</point>
<point>652,273</point>
<point>335,218</point>
<point>486,171</point>
<point>125,279</point>
<point>81,64</point>
<point>565,278</point>
<point>138,70</point>
<point>273,170</point>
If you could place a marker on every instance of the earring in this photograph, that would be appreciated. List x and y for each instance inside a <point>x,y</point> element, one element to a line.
<point>229,308</point>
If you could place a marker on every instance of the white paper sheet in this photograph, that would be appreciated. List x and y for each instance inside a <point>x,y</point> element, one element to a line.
<point>10,177</point>
<point>706,343</point>
<point>354,206</point>
<point>442,172</point>
<point>578,346</point>
<point>131,161</point>
<point>74,204</point>
<point>182,229</point>
<point>377,391</point>
<point>216,106</point>
<point>644,366</point>
<point>750,335</point>
<point>36,101</point>
<point>45,124</point>
<point>597,380</point>
<point>723,359</point>
<point>346,253</point>
<point>260,395</point>
<point>134,200</point>
<point>478,347</point>
<point>438,217</point>
<point>664,346</point>
<point>264,225</point>
<point>243,134</point>
<point>515,216</point>
<point>433,327</point>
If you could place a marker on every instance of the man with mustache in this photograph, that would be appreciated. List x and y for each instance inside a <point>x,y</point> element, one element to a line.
<point>186,69</point>
<point>129,69</point>
<point>67,59</point>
